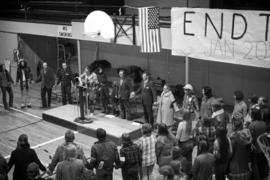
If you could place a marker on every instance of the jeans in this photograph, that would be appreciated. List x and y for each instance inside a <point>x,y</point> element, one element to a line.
<point>147,172</point>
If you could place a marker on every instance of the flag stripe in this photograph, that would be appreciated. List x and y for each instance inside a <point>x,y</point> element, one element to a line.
<point>149,29</point>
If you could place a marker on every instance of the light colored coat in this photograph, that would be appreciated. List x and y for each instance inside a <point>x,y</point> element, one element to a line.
<point>166,108</point>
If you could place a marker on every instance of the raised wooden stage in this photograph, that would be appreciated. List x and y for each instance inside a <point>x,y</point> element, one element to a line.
<point>114,126</point>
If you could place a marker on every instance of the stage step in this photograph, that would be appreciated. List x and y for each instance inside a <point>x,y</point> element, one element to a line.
<point>65,116</point>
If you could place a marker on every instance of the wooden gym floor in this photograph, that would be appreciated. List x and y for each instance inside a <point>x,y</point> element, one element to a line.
<point>43,136</point>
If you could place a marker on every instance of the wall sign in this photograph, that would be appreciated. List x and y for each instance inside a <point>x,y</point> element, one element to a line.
<point>231,36</point>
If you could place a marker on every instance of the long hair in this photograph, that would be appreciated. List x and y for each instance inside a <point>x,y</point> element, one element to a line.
<point>223,142</point>
<point>23,141</point>
<point>163,131</point>
<point>239,95</point>
<point>208,91</point>
<point>187,118</point>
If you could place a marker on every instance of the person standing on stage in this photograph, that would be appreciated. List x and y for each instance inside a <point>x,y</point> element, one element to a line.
<point>124,86</point>
<point>148,97</point>
<point>65,77</point>
<point>5,84</point>
<point>103,90</point>
<point>47,78</point>
<point>24,76</point>
<point>90,80</point>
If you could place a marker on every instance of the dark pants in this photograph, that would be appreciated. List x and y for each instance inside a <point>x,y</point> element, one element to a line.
<point>104,98</point>
<point>130,174</point>
<point>187,148</point>
<point>125,109</point>
<point>148,113</point>
<point>104,175</point>
<point>44,91</point>
<point>4,96</point>
<point>66,94</point>
<point>221,170</point>
<point>24,84</point>
<point>260,166</point>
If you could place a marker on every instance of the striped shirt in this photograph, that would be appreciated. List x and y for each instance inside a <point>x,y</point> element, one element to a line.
<point>147,146</point>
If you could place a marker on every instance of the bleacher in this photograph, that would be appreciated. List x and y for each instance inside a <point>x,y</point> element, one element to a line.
<point>63,11</point>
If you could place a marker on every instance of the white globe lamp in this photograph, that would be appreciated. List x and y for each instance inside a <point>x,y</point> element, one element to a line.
<point>99,23</point>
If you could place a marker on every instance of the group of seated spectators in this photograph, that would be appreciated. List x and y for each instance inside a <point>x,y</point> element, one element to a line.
<point>209,143</point>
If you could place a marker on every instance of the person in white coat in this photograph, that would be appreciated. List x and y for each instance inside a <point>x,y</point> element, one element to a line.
<point>166,107</point>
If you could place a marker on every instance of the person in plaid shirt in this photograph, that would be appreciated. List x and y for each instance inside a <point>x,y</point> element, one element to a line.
<point>206,128</point>
<point>147,146</point>
<point>131,158</point>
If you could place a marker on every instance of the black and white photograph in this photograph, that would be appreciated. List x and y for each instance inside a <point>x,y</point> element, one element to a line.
<point>135,90</point>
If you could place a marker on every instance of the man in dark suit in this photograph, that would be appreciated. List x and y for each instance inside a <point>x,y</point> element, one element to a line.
<point>65,76</point>
<point>124,87</point>
<point>47,78</point>
<point>148,93</point>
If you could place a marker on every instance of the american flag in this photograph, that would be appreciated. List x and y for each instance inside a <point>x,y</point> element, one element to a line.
<point>149,29</point>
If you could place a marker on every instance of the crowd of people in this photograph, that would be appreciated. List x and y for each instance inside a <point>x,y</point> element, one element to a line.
<point>209,142</point>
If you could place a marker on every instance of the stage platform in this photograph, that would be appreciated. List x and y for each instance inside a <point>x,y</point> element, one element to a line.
<point>114,126</point>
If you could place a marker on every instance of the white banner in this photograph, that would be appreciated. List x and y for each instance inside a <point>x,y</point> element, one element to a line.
<point>231,36</point>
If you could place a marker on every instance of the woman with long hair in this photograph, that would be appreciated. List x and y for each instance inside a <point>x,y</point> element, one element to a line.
<point>164,145</point>
<point>185,134</point>
<point>24,76</point>
<point>21,157</point>
<point>240,107</point>
<point>240,162</point>
<point>222,152</point>
<point>207,99</point>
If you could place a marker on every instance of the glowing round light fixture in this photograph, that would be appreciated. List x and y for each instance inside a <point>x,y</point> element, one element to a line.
<point>98,23</point>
